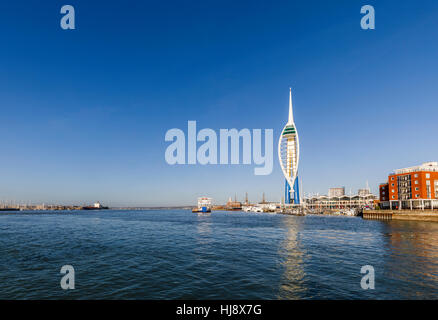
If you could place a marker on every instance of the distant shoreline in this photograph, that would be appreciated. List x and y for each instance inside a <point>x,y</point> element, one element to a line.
<point>151,208</point>
<point>7,210</point>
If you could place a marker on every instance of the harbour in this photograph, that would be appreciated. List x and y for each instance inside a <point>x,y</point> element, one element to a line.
<point>177,254</point>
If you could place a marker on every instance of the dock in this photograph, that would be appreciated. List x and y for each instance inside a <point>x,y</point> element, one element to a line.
<point>406,215</point>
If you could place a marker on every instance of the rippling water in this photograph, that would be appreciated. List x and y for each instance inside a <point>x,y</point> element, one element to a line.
<point>175,254</point>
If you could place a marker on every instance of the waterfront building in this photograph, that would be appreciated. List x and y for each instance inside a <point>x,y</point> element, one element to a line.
<point>340,202</point>
<point>411,188</point>
<point>336,192</point>
<point>384,192</point>
<point>289,156</point>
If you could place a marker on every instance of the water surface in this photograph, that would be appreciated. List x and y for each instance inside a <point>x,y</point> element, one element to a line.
<point>175,254</point>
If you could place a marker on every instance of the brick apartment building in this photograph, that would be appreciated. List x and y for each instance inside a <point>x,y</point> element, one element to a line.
<point>412,187</point>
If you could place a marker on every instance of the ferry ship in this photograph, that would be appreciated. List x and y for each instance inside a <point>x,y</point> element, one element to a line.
<point>204,205</point>
<point>96,206</point>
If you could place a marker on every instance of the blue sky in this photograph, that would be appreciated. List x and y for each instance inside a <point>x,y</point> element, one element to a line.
<point>84,112</point>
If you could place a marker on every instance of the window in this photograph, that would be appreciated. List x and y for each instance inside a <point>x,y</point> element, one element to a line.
<point>417,189</point>
<point>416,175</point>
<point>383,192</point>
<point>392,191</point>
<point>427,175</point>
<point>392,185</point>
<point>417,195</point>
<point>416,181</point>
<point>392,178</point>
<point>393,197</point>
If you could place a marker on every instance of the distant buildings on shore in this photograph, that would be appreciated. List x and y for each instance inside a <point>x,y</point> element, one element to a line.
<point>337,199</point>
<point>336,192</point>
<point>43,207</point>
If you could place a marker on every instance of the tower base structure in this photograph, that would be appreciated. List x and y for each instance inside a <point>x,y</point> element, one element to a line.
<point>296,192</point>
<point>292,196</point>
<point>286,192</point>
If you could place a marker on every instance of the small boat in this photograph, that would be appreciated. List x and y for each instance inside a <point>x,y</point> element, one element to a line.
<point>350,212</point>
<point>246,208</point>
<point>257,209</point>
<point>251,209</point>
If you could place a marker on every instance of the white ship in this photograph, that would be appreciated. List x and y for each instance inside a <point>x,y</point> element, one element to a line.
<point>204,205</point>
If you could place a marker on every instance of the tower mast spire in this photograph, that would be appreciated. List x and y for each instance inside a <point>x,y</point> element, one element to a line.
<point>291,115</point>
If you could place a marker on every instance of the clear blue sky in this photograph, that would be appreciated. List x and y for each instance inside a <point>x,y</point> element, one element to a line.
<point>84,112</point>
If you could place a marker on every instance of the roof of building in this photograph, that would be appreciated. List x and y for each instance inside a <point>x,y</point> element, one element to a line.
<point>357,196</point>
<point>427,166</point>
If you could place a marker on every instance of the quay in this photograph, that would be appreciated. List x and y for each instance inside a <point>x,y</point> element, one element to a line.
<point>406,215</point>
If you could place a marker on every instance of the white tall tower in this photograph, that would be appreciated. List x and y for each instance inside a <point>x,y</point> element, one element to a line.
<point>289,156</point>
